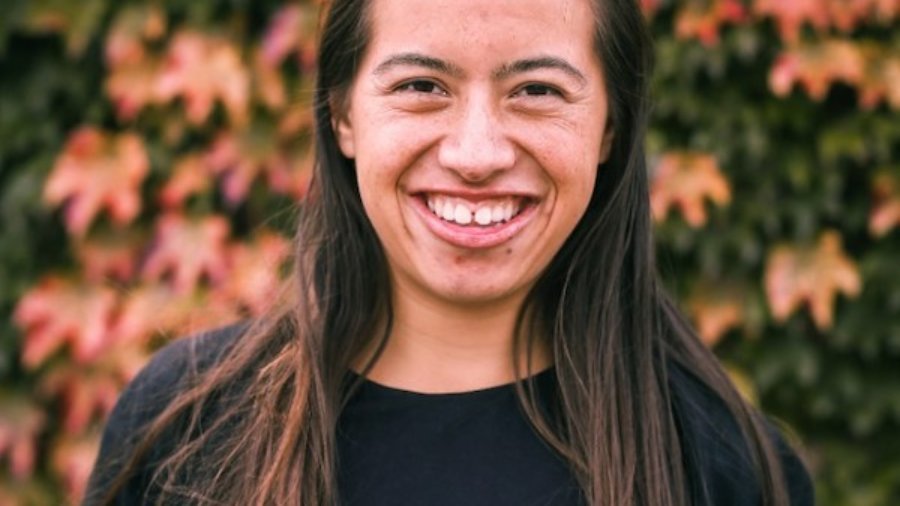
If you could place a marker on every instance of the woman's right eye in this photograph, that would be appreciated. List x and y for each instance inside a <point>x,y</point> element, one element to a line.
<point>421,86</point>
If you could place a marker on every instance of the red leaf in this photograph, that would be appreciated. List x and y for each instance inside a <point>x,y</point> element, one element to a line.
<point>239,158</point>
<point>209,313</point>
<point>269,83</point>
<point>96,170</point>
<point>88,391</point>
<point>109,257</point>
<point>791,15</point>
<point>152,309</point>
<point>60,311</point>
<point>132,86</point>
<point>845,15</point>
<point>132,26</point>
<point>649,7</point>
<point>187,250</point>
<point>254,276</point>
<point>813,275</point>
<point>704,19</point>
<point>885,214</point>
<point>242,157</point>
<point>817,66</point>
<point>201,70</point>
<point>685,180</point>
<point>21,423</point>
<point>72,460</point>
<point>292,30</point>
<point>882,79</point>
<point>191,175</point>
<point>715,310</point>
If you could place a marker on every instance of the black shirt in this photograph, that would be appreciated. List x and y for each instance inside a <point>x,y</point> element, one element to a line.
<point>398,448</point>
<point>474,448</point>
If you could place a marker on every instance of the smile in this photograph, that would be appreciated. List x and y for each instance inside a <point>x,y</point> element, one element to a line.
<point>475,222</point>
<point>484,213</point>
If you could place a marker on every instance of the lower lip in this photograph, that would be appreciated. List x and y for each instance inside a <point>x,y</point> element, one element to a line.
<point>474,236</point>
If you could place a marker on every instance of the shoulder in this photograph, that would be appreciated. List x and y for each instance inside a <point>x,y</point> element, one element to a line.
<point>169,372</point>
<point>717,453</point>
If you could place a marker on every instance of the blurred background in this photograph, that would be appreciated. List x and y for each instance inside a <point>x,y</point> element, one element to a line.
<point>151,152</point>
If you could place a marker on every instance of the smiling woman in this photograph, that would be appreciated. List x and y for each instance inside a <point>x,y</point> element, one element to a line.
<point>474,316</point>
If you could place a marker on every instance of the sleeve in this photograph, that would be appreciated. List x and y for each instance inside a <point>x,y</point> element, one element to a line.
<point>717,456</point>
<point>141,401</point>
<point>145,398</point>
<point>796,477</point>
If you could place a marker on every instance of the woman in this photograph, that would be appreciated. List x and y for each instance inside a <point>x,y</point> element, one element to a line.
<point>479,214</point>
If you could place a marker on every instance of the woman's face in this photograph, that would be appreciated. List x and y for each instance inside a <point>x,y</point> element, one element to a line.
<point>477,128</point>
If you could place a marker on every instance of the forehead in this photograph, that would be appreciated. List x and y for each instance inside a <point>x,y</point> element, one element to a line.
<point>480,32</point>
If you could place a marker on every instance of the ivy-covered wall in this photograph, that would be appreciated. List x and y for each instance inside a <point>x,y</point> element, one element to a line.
<point>150,152</point>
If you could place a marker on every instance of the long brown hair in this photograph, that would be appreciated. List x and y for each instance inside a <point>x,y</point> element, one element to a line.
<point>614,333</point>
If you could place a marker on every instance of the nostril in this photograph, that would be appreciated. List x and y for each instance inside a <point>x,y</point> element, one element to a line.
<point>477,159</point>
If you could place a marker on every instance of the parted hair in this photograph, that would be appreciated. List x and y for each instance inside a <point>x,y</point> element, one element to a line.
<point>614,333</point>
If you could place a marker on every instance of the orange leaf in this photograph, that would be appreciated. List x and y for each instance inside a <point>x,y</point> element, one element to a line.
<point>292,29</point>
<point>209,312</point>
<point>816,66</point>
<point>255,268</point>
<point>791,15</point>
<point>811,275</point>
<point>133,25</point>
<point>151,309</point>
<point>649,7</point>
<point>268,83</point>
<point>685,180</point>
<point>131,81</point>
<point>715,310</point>
<point>296,119</point>
<point>201,70</point>
<point>109,257</point>
<point>241,157</point>
<point>58,311</point>
<point>72,460</point>
<point>885,214</point>
<point>704,19</point>
<point>96,170</point>
<point>21,423</point>
<point>191,175</point>
<point>882,80</point>
<point>87,391</point>
<point>847,14</point>
<point>131,86</point>
<point>290,171</point>
<point>187,250</point>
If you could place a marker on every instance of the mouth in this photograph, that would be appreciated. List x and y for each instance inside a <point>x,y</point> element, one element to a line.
<point>475,222</point>
<point>484,213</point>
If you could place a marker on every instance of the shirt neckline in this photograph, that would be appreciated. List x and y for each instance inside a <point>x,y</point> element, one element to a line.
<point>539,378</point>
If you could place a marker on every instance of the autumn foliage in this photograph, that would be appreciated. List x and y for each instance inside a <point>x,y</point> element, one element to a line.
<point>152,151</point>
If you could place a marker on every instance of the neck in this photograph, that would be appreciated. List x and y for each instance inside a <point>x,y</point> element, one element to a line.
<point>438,347</point>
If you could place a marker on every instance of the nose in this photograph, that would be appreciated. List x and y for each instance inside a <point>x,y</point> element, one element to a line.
<point>475,147</point>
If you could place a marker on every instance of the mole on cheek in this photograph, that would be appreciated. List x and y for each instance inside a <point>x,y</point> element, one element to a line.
<point>509,251</point>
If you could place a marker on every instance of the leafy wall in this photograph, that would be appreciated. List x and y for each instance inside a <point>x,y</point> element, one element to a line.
<point>151,150</point>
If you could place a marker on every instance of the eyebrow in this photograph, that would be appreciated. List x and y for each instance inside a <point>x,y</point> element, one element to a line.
<point>543,62</point>
<point>503,72</point>
<point>418,60</point>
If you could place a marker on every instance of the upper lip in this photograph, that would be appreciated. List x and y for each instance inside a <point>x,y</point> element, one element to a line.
<point>476,195</point>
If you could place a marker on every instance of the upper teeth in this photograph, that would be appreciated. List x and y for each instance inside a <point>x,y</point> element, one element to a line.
<point>484,213</point>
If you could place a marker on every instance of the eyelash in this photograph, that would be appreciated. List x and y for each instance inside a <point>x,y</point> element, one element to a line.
<point>416,85</point>
<point>545,90</point>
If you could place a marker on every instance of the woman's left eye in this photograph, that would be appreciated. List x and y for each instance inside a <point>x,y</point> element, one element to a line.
<point>421,86</point>
<point>538,90</point>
